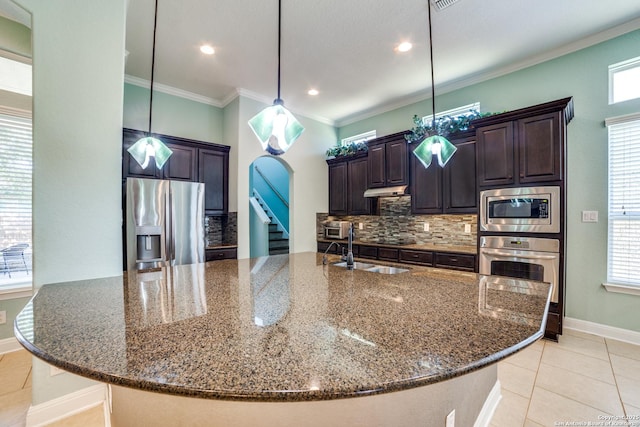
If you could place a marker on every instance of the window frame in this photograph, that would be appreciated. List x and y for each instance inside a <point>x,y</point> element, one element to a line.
<point>619,67</point>
<point>359,138</point>
<point>616,127</point>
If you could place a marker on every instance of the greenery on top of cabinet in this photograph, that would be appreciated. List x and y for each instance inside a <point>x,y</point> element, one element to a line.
<point>444,126</point>
<point>347,150</point>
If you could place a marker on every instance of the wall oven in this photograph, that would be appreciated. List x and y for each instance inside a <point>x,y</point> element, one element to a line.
<point>524,210</point>
<point>522,257</point>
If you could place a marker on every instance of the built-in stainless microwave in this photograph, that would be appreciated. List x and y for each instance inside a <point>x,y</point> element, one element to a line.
<point>523,209</point>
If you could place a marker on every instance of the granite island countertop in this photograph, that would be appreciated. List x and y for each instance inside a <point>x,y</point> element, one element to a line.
<point>281,328</point>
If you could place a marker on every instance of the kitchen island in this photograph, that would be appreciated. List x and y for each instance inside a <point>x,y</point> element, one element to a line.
<point>269,340</point>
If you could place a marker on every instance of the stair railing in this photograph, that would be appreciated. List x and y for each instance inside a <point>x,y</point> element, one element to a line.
<point>271,186</point>
<point>269,211</point>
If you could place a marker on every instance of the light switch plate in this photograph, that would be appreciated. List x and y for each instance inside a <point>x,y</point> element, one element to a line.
<point>589,216</point>
<point>3,317</point>
<point>425,226</point>
<point>360,226</point>
<point>467,228</point>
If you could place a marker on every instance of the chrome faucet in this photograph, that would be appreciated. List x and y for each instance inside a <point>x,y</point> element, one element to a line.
<point>324,256</point>
<point>350,248</point>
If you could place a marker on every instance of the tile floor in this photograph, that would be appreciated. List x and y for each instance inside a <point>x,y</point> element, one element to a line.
<point>583,378</point>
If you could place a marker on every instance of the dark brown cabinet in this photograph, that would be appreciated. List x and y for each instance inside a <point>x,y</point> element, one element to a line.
<point>220,253</point>
<point>338,172</point>
<point>213,170</point>
<point>193,161</point>
<point>388,161</point>
<point>451,189</point>
<point>522,148</point>
<point>347,184</point>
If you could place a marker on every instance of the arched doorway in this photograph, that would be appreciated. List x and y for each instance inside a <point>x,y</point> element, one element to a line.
<point>269,196</point>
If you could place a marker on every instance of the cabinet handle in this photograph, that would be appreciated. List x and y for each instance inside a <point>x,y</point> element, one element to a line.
<point>453,259</point>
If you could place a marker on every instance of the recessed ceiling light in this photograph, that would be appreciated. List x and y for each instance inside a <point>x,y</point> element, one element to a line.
<point>404,47</point>
<point>313,92</point>
<point>207,49</point>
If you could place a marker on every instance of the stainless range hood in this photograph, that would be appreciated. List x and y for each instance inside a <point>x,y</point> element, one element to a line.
<point>386,191</point>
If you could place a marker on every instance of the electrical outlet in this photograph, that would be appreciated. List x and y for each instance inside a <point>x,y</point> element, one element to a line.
<point>360,226</point>
<point>3,317</point>
<point>589,216</point>
<point>451,419</point>
<point>425,226</point>
<point>467,228</point>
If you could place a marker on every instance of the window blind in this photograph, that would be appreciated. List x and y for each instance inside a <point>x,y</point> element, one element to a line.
<point>15,179</point>
<point>624,201</point>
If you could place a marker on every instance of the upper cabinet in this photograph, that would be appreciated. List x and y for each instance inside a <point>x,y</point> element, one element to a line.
<point>451,189</point>
<point>523,146</point>
<point>191,160</point>
<point>388,163</point>
<point>347,184</point>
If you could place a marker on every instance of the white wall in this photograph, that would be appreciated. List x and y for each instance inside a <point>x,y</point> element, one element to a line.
<point>78,78</point>
<point>308,188</point>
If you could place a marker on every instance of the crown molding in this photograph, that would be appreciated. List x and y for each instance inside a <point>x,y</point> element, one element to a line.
<point>482,77</point>
<point>169,90</point>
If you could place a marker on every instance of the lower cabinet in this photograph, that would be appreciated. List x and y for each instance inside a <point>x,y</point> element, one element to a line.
<point>221,253</point>
<point>426,258</point>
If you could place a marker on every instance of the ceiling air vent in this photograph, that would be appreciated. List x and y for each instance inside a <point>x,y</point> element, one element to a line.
<point>442,4</point>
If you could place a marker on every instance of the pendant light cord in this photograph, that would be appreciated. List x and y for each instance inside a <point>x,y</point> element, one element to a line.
<point>279,42</point>
<point>153,62</point>
<point>433,89</point>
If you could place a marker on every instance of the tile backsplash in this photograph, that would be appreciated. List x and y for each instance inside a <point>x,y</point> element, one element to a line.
<point>222,230</point>
<point>396,225</point>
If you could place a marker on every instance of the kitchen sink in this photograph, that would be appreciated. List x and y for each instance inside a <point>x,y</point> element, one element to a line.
<point>387,270</point>
<point>382,269</point>
<point>357,265</point>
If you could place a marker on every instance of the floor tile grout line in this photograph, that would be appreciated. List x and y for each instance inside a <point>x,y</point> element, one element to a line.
<point>535,378</point>
<point>615,378</point>
<point>26,378</point>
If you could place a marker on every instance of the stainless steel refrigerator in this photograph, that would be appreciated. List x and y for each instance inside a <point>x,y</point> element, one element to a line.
<point>164,223</point>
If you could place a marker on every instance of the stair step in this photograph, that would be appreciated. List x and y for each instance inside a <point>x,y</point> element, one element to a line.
<point>279,243</point>
<point>275,235</point>
<point>279,251</point>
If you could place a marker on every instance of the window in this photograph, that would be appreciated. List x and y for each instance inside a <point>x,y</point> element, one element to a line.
<point>357,139</point>
<point>15,197</point>
<point>465,110</point>
<point>624,201</point>
<point>624,81</point>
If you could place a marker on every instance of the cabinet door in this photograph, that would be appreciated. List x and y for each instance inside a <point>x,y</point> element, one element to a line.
<point>338,188</point>
<point>131,168</point>
<point>213,171</point>
<point>396,162</point>
<point>376,166</point>
<point>540,145</point>
<point>495,154</point>
<point>182,164</point>
<point>460,190</point>
<point>357,204</point>
<point>426,187</point>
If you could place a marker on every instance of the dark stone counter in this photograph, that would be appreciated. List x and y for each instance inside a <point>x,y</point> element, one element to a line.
<point>281,328</point>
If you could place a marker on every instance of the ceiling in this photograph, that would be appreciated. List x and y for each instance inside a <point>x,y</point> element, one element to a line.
<point>346,48</point>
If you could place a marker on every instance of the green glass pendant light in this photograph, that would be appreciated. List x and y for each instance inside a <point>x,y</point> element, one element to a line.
<point>149,146</point>
<point>275,126</point>
<point>434,144</point>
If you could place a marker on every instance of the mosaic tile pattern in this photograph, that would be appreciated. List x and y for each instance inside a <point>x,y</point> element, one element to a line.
<point>221,230</point>
<point>280,328</point>
<point>397,226</point>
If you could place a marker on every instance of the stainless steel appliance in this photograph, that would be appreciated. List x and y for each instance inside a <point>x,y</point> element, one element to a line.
<point>524,209</point>
<point>523,258</point>
<point>164,223</point>
<point>336,229</point>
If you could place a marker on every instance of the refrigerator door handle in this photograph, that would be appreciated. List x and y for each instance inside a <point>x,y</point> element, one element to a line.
<point>170,227</point>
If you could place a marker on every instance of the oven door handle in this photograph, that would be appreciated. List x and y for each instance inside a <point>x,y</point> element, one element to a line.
<point>508,255</point>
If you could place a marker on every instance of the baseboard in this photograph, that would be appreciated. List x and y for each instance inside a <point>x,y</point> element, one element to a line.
<point>68,405</point>
<point>606,331</point>
<point>489,407</point>
<point>10,344</point>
